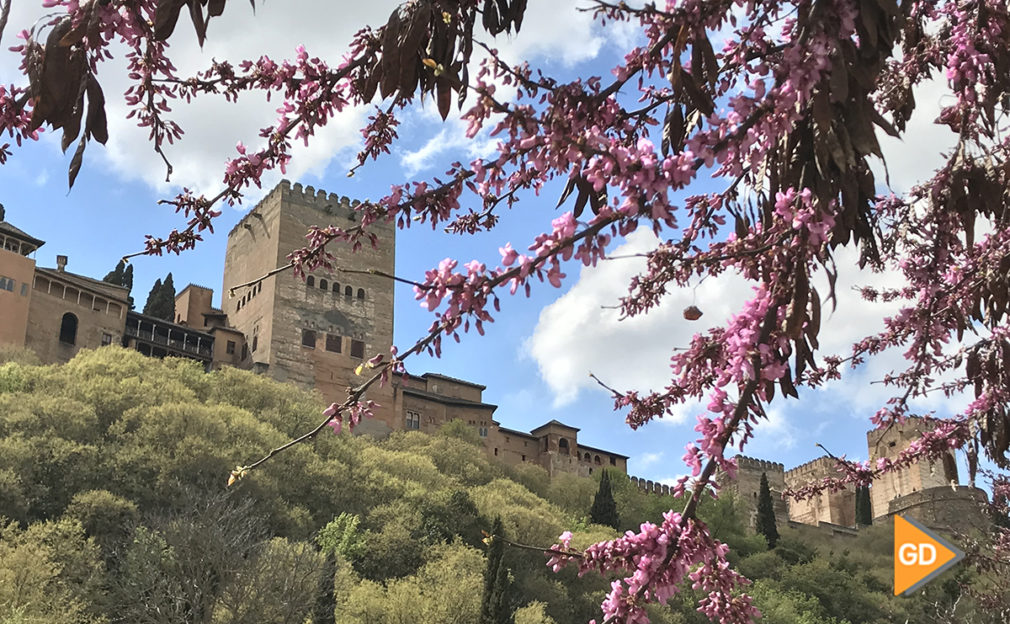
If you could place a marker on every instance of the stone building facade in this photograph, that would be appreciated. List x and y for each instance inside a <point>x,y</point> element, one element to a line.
<point>311,330</point>
<point>927,491</point>
<point>52,311</point>
<point>831,507</point>
<point>747,486</point>
<point>922,476</point>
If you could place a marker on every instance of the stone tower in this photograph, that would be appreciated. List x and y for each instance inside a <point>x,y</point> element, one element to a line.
<point>833,507</point>
<point>314,331</point>
<point>747,485</point>
<point>891,441</point>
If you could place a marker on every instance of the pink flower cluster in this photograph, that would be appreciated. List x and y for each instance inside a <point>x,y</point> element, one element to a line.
<point>658,560</point>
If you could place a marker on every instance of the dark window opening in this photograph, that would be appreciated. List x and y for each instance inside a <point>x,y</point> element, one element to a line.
<point>311,281</point>
<point>361,294</point>
<point>308,338</point>
<point>336,288</point>
<point>106,339</point>
<point>563,446</point>
<point>891,443</point>
<point>586,457</point>
<point>613,461</point>
<point>323,285</point>
<point>68,329</point>
<point>524,458</point>
<point>413,420</point>
<point>333,342</point>
<point>256,341</point>
<point>230,347</point>
<point>357,349</point>
<point>496,452</point>
<point>596,460</point>
<point>348,291</point>
<point>245,350</point>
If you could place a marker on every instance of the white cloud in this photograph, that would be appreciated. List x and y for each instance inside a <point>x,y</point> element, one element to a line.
<point>577,335</point>
<point>647,459</point>
<point>914,157</point>
<point>551,29</point>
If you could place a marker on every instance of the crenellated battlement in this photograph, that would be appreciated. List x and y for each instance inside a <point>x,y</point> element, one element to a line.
<point>744,462</point>
<point>818,468</point>
<point>319,198</point>
<point>308,195</point>
<point>650,487</point>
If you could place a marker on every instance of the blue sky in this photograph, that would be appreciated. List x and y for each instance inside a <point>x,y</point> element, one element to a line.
<point>536,358</point>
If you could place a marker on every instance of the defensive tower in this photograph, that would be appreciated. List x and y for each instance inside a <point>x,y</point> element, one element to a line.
<point>314,331</point>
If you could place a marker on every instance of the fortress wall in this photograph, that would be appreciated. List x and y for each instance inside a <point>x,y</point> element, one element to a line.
<point>837,508</point>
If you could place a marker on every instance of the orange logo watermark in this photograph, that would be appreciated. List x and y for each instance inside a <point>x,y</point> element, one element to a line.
<point>919,555</point>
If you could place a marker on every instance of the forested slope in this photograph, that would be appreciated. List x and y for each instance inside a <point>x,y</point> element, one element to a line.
<point>115,508</point>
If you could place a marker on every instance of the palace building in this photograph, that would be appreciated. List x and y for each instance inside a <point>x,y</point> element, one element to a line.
<point>312,331</point>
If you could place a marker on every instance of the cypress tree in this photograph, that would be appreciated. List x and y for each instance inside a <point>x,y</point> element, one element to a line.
<point>115,276</point>
<point>493,605</point>
<point>766,513</point>
<point>604,509</point>
<point>152,298</point>
<point>122,275</point>
<point>864,510</point>
<point>128,283</point>
<point>161,300</point>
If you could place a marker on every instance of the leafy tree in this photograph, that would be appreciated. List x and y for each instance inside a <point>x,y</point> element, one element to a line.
<point>494,605</point>
<point>604,509</point>
<point>766,513</point>
<point>533,613</point>
<point>864,509</point>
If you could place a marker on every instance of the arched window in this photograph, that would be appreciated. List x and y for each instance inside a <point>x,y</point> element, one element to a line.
<point>586,457</point>
<point>323,285</point>
<point>310,281</point>
<point>348,291</point>
<point>68,329</point>
<point>336,288</point>
<point>596,460</point>
<point>361,294</point>
<point>563,446</point>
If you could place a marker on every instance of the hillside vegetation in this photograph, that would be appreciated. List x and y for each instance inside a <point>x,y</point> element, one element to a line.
<point>113,508</point>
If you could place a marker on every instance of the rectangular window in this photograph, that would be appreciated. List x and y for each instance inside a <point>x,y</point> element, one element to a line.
<point>413,420</point>
<point>334,342</point>
<point>308,338</point>
<point>230,347</point>
<point>524,458</point>
<point>496,452</point>
<point>106,339</point>
<point>256,341</point>
<point>24,290</point>
<point>482,431</point>
<point>613,461</point>
<point>357,349</point>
